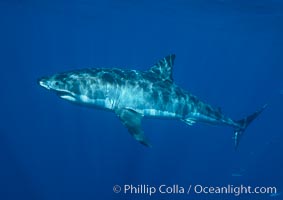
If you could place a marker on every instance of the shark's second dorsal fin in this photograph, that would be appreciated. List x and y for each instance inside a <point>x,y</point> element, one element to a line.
<point>163,68</point>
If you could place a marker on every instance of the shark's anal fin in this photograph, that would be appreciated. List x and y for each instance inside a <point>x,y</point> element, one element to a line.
<point>132,120</point>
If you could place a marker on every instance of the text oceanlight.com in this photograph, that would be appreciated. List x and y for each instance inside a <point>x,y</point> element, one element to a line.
<point>193,189</point>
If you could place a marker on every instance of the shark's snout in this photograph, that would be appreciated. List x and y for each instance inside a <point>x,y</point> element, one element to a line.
<point>43,81</point>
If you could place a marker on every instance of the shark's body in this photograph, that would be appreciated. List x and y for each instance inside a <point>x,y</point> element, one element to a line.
<point>134,94</point>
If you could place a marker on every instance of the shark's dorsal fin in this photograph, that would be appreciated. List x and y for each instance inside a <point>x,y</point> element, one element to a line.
<point>163,68</point>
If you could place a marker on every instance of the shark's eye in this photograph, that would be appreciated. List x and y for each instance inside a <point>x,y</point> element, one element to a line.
<point>56,83</point>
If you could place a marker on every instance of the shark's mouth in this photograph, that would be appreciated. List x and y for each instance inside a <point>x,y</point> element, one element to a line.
<point>65,95</point>
<point>62,92</point>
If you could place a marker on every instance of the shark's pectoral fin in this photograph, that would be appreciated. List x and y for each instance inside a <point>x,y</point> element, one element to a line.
<point>132,120</point>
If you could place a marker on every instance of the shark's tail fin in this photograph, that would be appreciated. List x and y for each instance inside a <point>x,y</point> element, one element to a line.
<point>244,123</point>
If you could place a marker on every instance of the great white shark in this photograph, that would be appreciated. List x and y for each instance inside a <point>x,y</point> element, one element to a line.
<point>133,94</point>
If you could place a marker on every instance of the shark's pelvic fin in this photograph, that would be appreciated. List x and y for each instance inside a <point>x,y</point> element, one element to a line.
<point>163,68</point>
<point>244,123</point>
<point>132,120</point>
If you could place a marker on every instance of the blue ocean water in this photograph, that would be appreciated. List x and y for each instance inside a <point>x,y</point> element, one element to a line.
<point>228,53</point>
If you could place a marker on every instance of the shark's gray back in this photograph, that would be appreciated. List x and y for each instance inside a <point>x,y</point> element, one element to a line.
<point>142,91</point>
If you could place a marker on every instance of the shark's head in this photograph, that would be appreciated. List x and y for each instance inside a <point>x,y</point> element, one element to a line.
<point>62,84</point>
